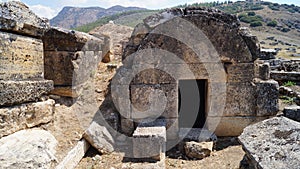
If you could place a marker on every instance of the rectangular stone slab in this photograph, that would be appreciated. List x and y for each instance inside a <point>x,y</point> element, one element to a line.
<point>149,140</point>
<point>273,143</point>
<point>25,116</point>
<point>21,57</point>
<point>16,92</point>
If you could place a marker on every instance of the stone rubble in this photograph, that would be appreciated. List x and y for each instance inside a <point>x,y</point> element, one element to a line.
<point>197,150</point>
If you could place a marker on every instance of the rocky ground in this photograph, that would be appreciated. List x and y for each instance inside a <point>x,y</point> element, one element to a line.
<point>228,155</point>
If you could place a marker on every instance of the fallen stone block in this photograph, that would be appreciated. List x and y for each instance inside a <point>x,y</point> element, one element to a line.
<point>74,156</point>
<point>28,149</point>
<point>198,150</point>
<point>149,141</point>
<point>292,112</point>
<point>17,92</point>
<point>273,143</point>
<point>100,138</point>
<point>25,116</point>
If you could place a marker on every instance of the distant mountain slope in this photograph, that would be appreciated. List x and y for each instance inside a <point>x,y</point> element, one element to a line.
<point>71,17</point>
<point>129,18</point>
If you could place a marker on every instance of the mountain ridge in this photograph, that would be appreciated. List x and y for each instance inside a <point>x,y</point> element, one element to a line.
<point>70,17</point>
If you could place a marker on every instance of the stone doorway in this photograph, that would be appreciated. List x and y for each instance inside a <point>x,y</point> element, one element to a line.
<point>192,103</point>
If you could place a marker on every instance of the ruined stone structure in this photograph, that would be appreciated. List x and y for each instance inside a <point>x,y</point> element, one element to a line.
<point>37,60</point>
<point>22,80</point>
<point>217,55</point>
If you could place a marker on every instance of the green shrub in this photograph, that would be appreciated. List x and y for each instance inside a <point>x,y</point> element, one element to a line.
<point>274,7</point>
<point>251,13</point>
<point>256,24</point>
<point>287,100</point>
<point>242,15</point>
<point>289,83</point>
<point>291,10</point>
<point>266,3</point>
<point>272,23</point>
<point>249,19</point>
<point>285,30</point>
<point>256,7</point>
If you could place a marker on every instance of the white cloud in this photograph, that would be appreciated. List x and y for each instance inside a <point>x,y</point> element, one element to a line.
<point>43,11</point>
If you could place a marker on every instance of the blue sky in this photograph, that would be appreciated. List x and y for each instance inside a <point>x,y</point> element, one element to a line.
<point>50,8</point>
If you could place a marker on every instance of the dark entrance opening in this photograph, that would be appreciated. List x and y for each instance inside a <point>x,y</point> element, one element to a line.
<point>192,103</point>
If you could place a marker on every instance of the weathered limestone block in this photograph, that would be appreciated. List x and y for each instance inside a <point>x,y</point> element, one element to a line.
<point>16,92</point>
<point>292,112</point>
<point>71,58</point>
<point>154,101</point>
<point>59,67</point>
<point>251,41</point>
<point>21,57</point>
<point>18,18</point>
<point>58,39</point>
<point>230,126</point>
<point>100,138</point>
<point>273,143</point>
<point>149,141</point>
<point>240,100</point>
<point>171,124</point>
<point>285,76</point>
<point>262,71</point>
<point>241,72</point>
<point>267,98</point>
<point>198,150</point>
<point>25,116</point>
<point>28,149</point>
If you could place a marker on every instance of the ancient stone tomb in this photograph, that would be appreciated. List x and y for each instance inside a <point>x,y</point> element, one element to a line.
<point>194,68</point>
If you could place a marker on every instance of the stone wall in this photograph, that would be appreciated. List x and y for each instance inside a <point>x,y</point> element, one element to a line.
<point>70,59</point>
<point>236,86</point>
<point>22,82</point>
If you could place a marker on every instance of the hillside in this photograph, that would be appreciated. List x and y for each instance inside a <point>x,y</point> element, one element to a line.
<point>130,18</point>
<point>71,17</point>
<point>277,26</point>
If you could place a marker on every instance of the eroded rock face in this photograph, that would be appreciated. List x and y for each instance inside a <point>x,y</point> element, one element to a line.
<point>18,18</point>
<point>25,116</point>
<point>273,143</point>
<point>28,149</point>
